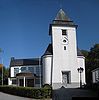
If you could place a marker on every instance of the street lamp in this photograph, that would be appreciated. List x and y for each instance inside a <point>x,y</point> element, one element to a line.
<point>80,70</point>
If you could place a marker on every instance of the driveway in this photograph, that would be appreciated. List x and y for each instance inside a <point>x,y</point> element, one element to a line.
<point>68,93</point>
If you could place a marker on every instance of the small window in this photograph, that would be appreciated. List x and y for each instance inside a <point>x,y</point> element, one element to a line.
<point>64,47</point>
<point>37,71</point>
<point>64,32</point>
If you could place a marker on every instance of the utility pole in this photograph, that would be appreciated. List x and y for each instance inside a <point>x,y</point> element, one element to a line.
<point>40,70</point>
<point>1,65</point>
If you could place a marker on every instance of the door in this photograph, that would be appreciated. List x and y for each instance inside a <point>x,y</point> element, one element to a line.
<point>66,77</point>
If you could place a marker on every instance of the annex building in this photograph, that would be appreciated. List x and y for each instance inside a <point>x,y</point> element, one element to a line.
<point>58,65</point>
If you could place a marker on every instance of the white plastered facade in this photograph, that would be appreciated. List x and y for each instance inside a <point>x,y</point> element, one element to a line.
<point>63,60</point>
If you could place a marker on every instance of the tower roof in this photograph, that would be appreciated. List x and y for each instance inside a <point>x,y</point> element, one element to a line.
<point>62,16</point>
<point>62,19</point>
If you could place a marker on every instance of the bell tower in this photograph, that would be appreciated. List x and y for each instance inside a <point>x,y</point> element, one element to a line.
<point>63,35</point>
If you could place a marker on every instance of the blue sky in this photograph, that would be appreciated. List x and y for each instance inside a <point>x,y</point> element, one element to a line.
<point>24,25</point>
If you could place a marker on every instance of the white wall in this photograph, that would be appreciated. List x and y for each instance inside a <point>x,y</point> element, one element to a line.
<point>64,60</point>
<point>9,81</point>
<point>12,70</point>
<point>47,59</point>
<point>95,75</point>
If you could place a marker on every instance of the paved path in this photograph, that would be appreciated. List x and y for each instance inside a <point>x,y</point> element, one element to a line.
<point>4,96</point>
<point>68,93</point>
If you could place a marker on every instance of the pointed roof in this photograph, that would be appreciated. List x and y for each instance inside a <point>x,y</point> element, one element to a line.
<point>62,19</point>
<point>62,16</point>
<point>49,50</point>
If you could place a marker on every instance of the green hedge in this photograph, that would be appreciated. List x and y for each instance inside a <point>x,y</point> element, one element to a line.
<point>36,93</point>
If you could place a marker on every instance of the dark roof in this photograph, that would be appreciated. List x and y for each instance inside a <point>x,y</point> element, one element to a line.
<point>62,18</point>
<point>24,62</point>
<point>49,50</point>
<point>79,53</point>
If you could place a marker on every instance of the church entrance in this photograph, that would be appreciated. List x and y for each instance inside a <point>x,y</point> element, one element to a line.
<point>65,77</point>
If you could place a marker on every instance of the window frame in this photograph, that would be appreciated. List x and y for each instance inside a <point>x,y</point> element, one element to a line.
<point>64,32</point>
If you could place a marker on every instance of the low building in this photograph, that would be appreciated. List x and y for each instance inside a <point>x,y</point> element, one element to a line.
<point>95,75</point>
<point>25,72</point>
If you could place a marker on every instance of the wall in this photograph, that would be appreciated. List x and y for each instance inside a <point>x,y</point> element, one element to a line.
<point>95,75</point>
<point>47,59</point>
<point>64,60</point>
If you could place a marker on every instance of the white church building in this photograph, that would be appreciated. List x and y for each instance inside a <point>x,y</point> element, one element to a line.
<point>58,65</point>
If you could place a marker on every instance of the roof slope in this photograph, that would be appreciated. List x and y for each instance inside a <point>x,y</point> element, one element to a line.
<point>62,18</point>
<point>24,62</point>
<point>49,50</point>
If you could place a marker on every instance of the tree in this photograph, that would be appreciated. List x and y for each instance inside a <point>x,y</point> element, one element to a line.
<point>5,75</point>
<point>92,62</point>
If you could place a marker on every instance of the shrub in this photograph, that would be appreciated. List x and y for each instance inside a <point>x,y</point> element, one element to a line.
<point>36,93</point>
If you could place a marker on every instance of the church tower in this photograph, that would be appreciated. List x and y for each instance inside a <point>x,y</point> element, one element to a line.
<point>61,68</point>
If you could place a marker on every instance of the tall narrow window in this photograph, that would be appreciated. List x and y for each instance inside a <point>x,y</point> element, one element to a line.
<point>16,70</point>
<point>37,71</point>
<point>64,47</point>
<point>64,32</point>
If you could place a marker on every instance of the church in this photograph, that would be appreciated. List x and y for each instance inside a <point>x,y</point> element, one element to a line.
<point>58,65</point>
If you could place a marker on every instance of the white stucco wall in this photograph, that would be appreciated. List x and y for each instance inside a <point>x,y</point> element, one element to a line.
<point>9,81</point>
<point>95,75</point>
<point>64,60</point>
<point>81,63</point>
<point>47,59</point>
<point>12,70</point>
